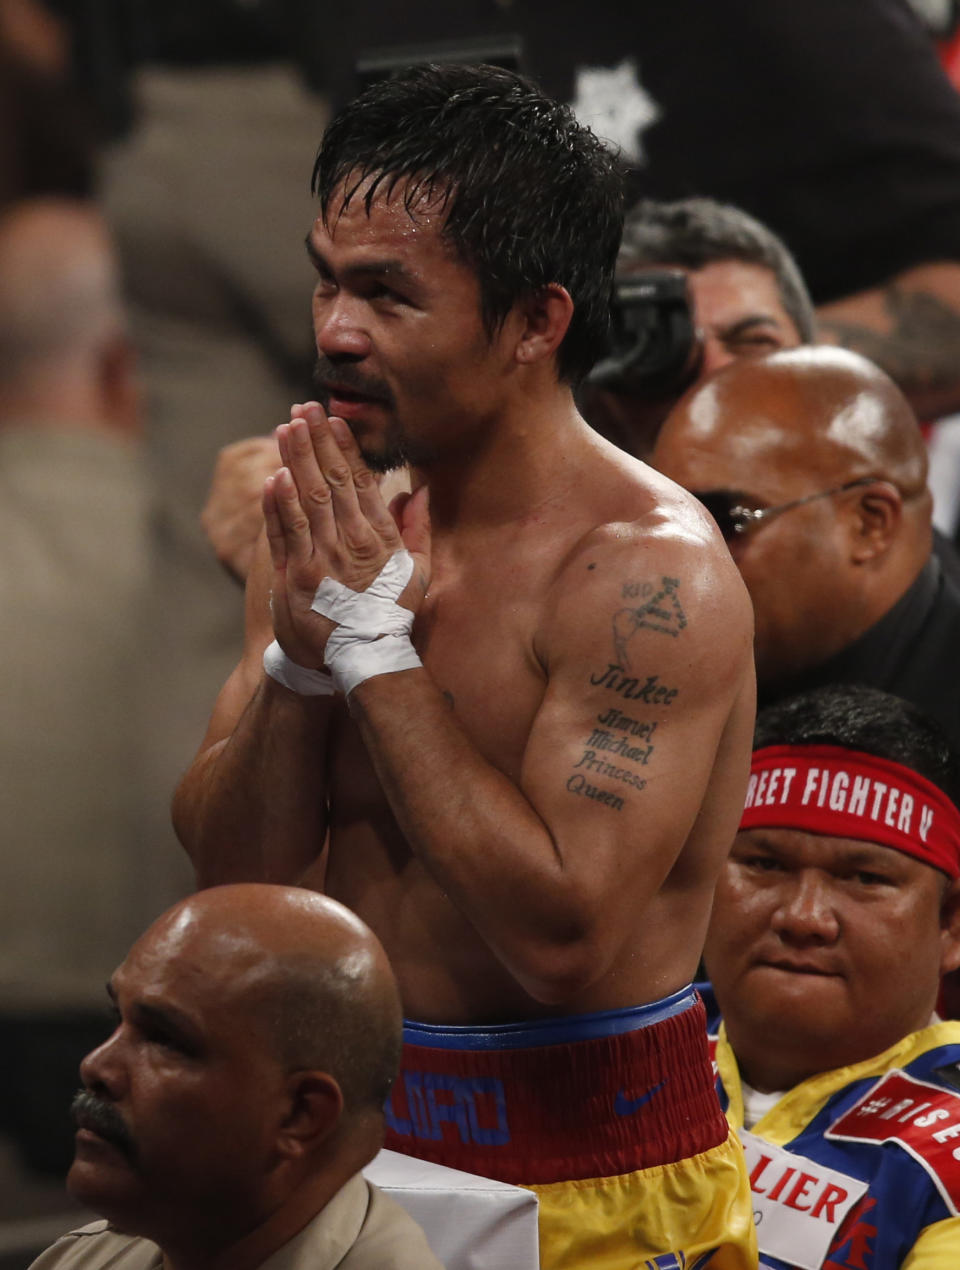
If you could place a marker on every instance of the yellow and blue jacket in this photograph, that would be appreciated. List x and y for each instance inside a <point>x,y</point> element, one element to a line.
<point>858,1168</point>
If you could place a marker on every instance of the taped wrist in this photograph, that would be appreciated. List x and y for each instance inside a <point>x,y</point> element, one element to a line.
<point>308,683</point>
<point>372,636</point>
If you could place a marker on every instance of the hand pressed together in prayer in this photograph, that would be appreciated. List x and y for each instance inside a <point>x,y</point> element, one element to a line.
<point>325,518</point>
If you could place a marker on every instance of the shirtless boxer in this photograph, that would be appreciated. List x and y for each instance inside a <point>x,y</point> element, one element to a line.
<point>533,819</point>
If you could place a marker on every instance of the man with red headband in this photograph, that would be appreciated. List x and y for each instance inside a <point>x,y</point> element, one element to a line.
<point>837,914</point>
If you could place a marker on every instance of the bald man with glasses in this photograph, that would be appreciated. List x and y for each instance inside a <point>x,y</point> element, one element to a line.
<point>813,466</point>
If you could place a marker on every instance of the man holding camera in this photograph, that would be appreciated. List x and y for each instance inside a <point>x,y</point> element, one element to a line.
<point>700,284</point>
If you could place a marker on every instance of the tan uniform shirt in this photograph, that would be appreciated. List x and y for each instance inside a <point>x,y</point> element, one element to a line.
<point>360,1229</point>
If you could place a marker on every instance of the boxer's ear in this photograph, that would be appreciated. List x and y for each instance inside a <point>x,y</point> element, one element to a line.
<point>546,317</point>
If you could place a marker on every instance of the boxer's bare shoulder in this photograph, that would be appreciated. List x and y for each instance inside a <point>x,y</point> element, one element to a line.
<point>647,631</point>
<point>645,578</point>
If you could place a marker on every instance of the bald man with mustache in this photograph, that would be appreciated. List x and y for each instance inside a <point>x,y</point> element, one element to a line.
<point>812,462</point>
<point>225,1121</point>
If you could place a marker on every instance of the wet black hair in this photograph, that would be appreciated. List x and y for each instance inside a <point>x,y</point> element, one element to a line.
<point>530,196</point>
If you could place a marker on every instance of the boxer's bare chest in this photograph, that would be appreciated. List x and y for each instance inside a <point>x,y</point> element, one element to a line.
<point>477,634</point>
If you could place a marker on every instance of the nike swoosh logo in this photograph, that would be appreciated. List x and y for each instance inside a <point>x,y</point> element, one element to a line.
<point>627,1106</point>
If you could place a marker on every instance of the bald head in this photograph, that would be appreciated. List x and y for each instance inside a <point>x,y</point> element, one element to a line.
<point>59,293</point>
<point>258,1030</point>
<point>311,978</point>
<point>815,467</point>
<point>825,411</point>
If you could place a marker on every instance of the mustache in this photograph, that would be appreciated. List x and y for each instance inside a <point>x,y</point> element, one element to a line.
<point>347,375</point>
<point>90,1112</point>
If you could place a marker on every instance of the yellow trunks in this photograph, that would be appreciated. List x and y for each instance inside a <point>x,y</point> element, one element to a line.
<point>699,1207</point>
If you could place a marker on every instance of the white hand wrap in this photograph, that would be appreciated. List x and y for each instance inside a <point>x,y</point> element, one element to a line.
<point>308,683</point>
<point>373,631</point>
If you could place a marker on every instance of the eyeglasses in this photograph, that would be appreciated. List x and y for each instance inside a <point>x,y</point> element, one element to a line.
<point>733,519</point>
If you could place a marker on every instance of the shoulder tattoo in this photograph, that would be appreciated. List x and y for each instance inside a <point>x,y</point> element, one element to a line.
<point>659,610</point>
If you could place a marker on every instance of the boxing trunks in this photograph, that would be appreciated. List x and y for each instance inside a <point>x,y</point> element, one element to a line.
<point>611,1118</point>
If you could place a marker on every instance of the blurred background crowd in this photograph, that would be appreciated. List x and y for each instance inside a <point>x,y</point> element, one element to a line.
<point>155,158</point>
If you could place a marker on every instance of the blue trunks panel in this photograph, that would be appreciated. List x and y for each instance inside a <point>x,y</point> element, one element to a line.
<point>530,1035</point>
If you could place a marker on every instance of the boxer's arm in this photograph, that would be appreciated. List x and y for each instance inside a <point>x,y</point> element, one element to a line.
<point>252,806</point>
<point>646,650</point>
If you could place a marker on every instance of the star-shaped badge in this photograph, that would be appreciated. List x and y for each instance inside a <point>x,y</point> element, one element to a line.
<point>612,101</point>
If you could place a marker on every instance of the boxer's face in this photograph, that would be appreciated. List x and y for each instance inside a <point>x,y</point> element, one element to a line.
<point>829,946</point>
<point>403,353</point>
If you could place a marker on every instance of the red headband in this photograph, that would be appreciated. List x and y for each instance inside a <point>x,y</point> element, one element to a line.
<point>840,793</point>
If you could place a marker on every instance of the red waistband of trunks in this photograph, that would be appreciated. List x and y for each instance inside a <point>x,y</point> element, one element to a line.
<point>825,789</point>
<point>592,1095</point>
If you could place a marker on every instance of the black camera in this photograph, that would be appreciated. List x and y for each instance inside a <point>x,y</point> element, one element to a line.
<point>656,351</point>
